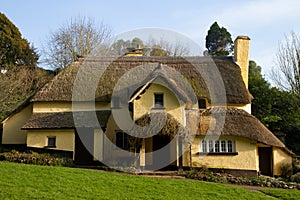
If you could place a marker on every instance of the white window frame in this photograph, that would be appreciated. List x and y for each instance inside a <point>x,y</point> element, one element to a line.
<point>212,143</point>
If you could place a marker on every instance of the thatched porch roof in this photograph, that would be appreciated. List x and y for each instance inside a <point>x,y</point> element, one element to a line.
<point>237,123</point>
<point>65,120</point>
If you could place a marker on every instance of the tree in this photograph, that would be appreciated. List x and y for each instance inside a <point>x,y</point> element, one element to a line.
<point>275,108</point>
<point>150,48</point>
<point>288,63</point>
<point>218,41</point>
<point>79,37</point>
<point>15,50</point>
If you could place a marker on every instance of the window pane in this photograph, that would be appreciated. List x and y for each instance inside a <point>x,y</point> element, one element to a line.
<point>202,104</point>
<point>217,146</point>
<point>230,146</point>
<point>158,100</point>
<point>211,146</point>
<point>204,147</point>
<point>223,146</point>
<point>119,139</point>
<point>51,142</point>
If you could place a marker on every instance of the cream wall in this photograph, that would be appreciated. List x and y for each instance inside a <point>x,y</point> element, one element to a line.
<point>44,107</point>
<point>245,160</point>
<point>12,133</point>
<point>144,105</point>
<point>280,159</point>
<point>65,138</point>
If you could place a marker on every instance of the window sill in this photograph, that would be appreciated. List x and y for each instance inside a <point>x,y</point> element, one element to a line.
<point>48,147</point>
<point>218,153</point>
<point>156,108</point>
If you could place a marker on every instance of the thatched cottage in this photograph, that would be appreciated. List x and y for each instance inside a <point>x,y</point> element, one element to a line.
<point>152,112</point>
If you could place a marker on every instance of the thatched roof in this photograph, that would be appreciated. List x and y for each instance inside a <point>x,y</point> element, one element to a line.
<point>202,79</point>
<point>67,120</point>
<point>237,122</point>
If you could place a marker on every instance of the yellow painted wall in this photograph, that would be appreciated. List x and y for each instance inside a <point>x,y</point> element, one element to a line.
<point>65,139</point>
<point>245,160</point>
<point>281,158</point>
<point>44,107</point>
<point>144,105</point>
<point>98,144</point>
<point>12,133</point>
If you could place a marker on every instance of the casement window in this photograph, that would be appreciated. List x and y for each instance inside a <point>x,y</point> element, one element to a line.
<point>201,103</point>
<point>115,102</point>
<point>122,140</point>
<point>216,146</point>
<point>158,100</point>
<point>51,141</point>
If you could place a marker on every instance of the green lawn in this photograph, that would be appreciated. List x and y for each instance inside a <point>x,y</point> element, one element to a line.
<point>282,194</point>
<point>20,181</point>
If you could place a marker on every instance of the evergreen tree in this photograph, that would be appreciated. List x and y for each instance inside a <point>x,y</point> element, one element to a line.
<point>218,41</point>
<point>276,109</point>
<point>15,50</point>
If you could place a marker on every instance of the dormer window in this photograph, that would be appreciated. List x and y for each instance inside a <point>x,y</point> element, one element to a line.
<point>158,100</point>
<point>202,104</point>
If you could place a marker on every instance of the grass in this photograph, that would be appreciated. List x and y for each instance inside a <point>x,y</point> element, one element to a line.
<point>21,181</point>
<point>282,194</point>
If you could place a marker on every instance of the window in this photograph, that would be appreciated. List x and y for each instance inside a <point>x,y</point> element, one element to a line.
<point>229,146</point>
<point>116,102</point>
<point>202,104</point>
<point>51,142</point>
<point>223,146</point>
<point>122,140</point>
<point>211,146</point>
<point>158,100</point>
<point>217,146</point>
<point>203,146</point>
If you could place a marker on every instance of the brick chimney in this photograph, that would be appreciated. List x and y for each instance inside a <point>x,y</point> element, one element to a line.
<point>241,55</point>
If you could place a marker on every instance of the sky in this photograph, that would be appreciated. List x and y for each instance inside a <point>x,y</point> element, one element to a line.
<point>266,22</point>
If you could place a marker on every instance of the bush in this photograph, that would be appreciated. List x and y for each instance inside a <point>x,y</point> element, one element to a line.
<point>286,170</point>
<point>296,177</point>
<point>36,159</point>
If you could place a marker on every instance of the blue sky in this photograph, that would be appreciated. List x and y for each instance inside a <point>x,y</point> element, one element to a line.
<point>266,22</point>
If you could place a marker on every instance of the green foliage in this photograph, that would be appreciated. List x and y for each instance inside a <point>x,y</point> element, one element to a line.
<point>20,181</point>
<point>282,194</point>
<point>152,48</point>
<point>276,109</point>
<point>218,41</point>
<point>14,49</point>
<point>36,159</point>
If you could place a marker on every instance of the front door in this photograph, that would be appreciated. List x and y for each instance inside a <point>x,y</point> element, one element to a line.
<point>161,157</point>
<point>265,160</point>
<point>84,146</point>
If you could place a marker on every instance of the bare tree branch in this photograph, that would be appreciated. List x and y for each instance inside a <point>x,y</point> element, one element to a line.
<point>287,77</point>
<point>78,37</point>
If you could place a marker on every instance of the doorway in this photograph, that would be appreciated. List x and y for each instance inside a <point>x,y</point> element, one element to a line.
<point>84,146</point>
<point>265,160</point>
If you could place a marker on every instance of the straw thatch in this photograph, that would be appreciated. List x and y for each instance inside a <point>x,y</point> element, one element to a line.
<point>237,122</point>
<point>68,120</point>
<point>163,124</point>
<point>199,72</point>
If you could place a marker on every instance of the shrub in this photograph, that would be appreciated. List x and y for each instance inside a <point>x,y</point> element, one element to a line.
<point>296,177</point>
<point>286,170</point>
<point>36,159</point>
